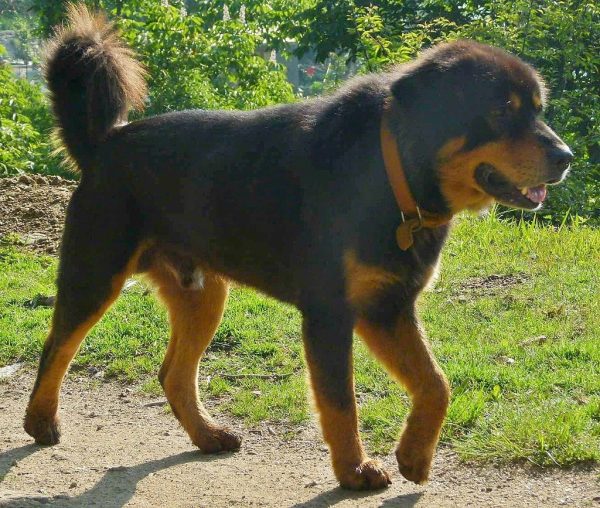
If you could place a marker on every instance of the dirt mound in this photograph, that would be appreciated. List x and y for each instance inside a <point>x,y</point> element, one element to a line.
<point>32,210</point>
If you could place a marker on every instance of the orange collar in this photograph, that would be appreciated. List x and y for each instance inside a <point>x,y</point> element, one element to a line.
<point>413,217</point>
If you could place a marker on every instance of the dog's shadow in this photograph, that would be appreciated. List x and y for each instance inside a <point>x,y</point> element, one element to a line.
<point>13,457</point>
<point>114,489</point>
<point>118,485</point>
<point>337,495</point>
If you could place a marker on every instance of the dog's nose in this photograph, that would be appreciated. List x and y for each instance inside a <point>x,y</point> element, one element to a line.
<point>560,157</point>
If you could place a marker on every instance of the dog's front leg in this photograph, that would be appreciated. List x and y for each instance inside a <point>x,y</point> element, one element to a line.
<point>404,351</point>
<point>328,347</point>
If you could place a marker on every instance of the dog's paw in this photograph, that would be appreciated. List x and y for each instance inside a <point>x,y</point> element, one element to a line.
<point>217,440</point>
<point>413,463</point>
<point>369,475</point>
<point>45,431</point>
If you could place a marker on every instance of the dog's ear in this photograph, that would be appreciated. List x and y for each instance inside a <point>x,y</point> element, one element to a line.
<point>407,86</point>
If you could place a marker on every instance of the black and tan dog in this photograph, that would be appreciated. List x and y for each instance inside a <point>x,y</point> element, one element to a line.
<point>339,206</point>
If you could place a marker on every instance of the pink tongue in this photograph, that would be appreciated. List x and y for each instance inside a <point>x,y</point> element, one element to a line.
<point>537,194</point>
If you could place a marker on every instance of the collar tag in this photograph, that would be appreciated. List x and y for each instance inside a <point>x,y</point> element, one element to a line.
<point>404,232</point>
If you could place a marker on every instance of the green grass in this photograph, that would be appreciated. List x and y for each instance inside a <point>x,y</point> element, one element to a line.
<point>515,397</point>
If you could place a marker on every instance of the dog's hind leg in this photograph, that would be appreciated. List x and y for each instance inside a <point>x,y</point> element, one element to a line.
<point>98,253</point>
<point>194,315</point>
<point>328,347</point>
<point>405,353</point>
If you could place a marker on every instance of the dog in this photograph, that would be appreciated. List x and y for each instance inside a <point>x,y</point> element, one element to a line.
<point>338,205</point>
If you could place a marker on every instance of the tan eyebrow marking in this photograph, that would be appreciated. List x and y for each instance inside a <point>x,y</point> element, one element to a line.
<point>514,101</point>
<point>537,101</point>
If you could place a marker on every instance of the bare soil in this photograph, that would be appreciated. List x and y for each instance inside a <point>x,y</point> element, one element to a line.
<point>120,448</point>
<point>32,207</point>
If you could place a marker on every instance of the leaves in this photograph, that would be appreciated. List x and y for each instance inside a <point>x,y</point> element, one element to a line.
<point>25,123</point>
<point>199,58</point>
<point>196,60</point>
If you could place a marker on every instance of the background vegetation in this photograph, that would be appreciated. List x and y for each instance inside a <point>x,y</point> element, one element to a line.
<point>211,54</point>
<point>220,54</point>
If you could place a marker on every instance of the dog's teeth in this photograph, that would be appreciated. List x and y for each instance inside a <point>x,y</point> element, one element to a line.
<point>524,191</point>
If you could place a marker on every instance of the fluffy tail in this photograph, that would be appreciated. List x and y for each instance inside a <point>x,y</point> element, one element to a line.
<point>94,80</point>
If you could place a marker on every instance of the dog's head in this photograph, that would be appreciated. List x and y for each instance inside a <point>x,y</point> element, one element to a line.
<point>472,114</point>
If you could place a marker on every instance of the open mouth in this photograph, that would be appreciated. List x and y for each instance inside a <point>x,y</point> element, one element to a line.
<point>497,186</point>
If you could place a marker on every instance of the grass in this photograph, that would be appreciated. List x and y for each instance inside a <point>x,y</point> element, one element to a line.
<point>514,319</point>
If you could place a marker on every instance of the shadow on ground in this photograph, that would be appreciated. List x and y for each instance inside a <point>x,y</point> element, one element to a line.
<point>336,495</point>
<point>114,490</point>
<point>118,485</point>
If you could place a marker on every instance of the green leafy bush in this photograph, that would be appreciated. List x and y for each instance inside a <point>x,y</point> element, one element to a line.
<point>197,63</point>
<point>560,38</point>
<point>25,126</point>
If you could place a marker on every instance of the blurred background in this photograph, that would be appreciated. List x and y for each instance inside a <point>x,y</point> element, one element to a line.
<point>248,54</point>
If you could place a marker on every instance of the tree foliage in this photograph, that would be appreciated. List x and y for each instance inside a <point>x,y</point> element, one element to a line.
<point>25,125</point>
<point>561,38</point>
<point>196,63</point>
<point>211,54</point>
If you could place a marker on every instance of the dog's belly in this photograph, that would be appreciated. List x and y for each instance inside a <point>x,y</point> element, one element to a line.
<point>188,262</point>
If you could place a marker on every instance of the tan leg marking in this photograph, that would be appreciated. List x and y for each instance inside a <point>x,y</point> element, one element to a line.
<point>406,355</point>
<point>194,316</point>
<point>339,423</point>
<point>41,421</point>
<point>364,281</point>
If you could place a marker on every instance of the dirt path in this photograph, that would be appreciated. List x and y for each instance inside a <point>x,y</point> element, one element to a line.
<point>119,451</point>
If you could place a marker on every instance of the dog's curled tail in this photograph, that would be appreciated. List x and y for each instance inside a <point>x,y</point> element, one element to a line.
<point>94,80</point>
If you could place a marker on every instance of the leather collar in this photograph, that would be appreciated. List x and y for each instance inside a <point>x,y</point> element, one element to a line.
<point>413,217</point>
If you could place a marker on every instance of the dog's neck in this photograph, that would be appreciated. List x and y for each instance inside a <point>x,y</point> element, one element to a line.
<point>413,217</point>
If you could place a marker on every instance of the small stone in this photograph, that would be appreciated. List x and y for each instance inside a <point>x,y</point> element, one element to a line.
<point>310,484</point>
<point>27,180</point>
<point>33,238</point>
<point>506,360</point>
<point>73,485</point>
<point>10,370</point>
<point>156,403</point>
